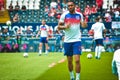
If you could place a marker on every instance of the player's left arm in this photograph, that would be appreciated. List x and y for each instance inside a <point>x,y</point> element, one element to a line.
<point>38,34</point>
<point>83,24</point>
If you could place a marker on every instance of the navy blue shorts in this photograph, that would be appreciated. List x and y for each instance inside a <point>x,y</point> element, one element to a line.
<point>99,41</point>
<point>43,40</point>
<point>73,48</point>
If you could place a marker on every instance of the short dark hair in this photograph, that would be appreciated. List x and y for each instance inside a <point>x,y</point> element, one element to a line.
<point>97,19</point>
<point>71,1</point>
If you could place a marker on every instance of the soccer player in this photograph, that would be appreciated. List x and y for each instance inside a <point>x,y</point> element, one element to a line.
<point>116,63</point>
<point>43,37</point>
<point>70,22</point>
<point>98,28</point>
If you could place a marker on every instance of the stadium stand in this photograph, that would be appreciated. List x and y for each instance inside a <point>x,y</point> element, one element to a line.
<point>34,11</point>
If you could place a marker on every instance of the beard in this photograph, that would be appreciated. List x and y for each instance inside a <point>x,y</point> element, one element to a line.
<point>71,10</point>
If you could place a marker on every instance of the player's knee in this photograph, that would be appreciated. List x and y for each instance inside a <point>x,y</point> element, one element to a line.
<point>77,61</point>
<point>69,61</point>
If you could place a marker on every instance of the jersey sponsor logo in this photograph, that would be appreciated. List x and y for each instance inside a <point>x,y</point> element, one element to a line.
<point>43,28</point>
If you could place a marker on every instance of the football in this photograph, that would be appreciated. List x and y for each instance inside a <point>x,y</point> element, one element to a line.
<point>91,32</point>
<point>8,23</point>
<point>89,56</point>
<point>25,55</point>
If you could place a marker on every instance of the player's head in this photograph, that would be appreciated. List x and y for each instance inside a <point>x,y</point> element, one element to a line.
<point>71,6</point>
<point>43,22</point>
<point>97,19</point>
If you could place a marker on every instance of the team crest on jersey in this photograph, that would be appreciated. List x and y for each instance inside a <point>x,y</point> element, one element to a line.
<point>77,17</point>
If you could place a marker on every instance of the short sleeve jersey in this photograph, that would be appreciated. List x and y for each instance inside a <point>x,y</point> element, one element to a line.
<point>44,30</point>
<point>72,34</point>
<point>98,28</point>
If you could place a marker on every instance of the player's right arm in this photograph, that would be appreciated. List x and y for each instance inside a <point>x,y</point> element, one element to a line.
<point>37,34</point>
<point>61,24</point>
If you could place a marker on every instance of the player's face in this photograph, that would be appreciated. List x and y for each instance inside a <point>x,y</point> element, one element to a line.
<point>71,7</point>
<point>43,22</point>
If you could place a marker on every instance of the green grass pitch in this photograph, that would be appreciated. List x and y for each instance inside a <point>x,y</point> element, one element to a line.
<point>13,66</point>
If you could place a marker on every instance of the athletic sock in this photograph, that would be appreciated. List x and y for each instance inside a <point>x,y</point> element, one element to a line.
<point>96,51</point>
<point>40,51</point>
<point>46,52</point>
<point>99,52</point>
<point>72,75</point>
<point>77,76</point>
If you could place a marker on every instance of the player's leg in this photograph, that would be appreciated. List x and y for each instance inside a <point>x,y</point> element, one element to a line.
<point>77,66</point>
<point>68,51</point>
<point>100,43</point>
<point>77,53</point>
<point>46,48</point>
<point>40,48</point>
<point>96,49</point>
<point>70,67</point>
<point>46,45</point>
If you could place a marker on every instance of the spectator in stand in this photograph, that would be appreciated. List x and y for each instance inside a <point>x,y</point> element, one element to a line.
<point>58,36</point>
<point>53,4</point>
<point>16,18</point>
<point>29,32</point>
<point>5,37</point>
<point>5,34</point>
<point>52,12</point>
<point>19,38</point>
<point>118,8</point>
<point>87,18</point>
<point>59,4</point>
<point>46,10</point>
<point>93,9</point>
<point>64,3</point>
<point>17,7</point>
<point>107,16</point>
<point>50,32</point>
<point>117,12</point>
<point>58,12</point>
<point>87,10</point>
<point>10,7</point>
<point>117,15</point>
<point>110,48</point>
<point>23,8</point>
<point>77,8</point>
<point>2,6</point>
<point>64,9</point>
<point>99,4</point>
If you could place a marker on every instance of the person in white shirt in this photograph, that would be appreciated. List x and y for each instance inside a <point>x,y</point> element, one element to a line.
<point>98,28</point>
<point>116,63</point>
<point>43,37</point>
<point>70,22</point>
<point>53,4</point>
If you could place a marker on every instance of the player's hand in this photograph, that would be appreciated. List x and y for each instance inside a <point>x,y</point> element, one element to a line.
<point>67,25</point>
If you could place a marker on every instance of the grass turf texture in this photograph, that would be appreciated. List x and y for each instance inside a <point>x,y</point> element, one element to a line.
<point>14,66</point>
